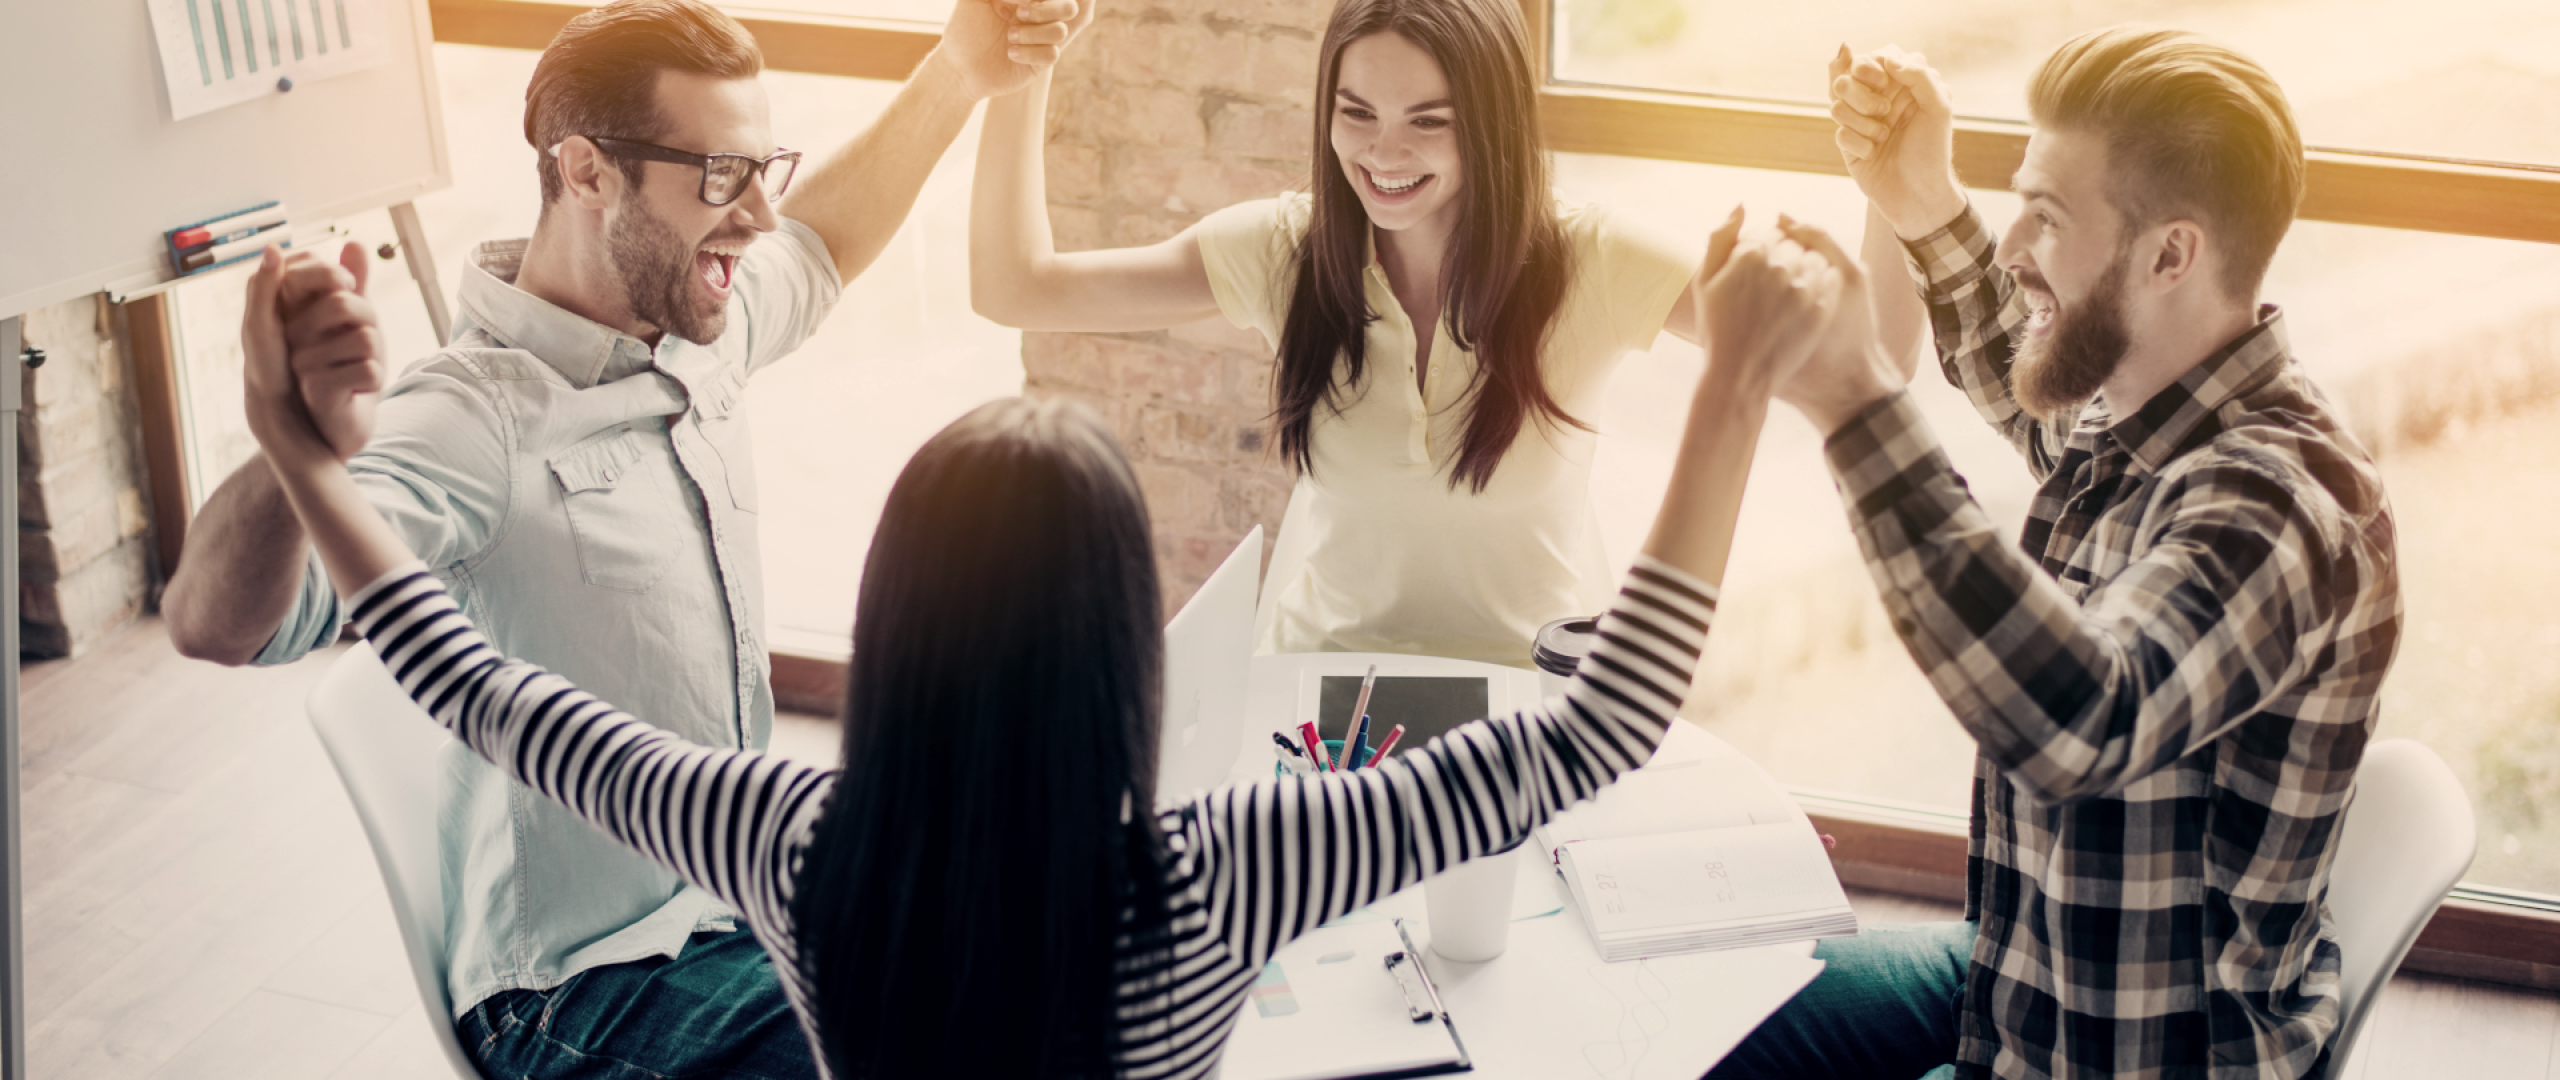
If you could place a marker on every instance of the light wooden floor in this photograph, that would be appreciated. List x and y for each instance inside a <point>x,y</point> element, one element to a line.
<point>201,903</point>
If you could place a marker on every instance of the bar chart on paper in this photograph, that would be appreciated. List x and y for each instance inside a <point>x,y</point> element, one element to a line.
<point>222,52</point>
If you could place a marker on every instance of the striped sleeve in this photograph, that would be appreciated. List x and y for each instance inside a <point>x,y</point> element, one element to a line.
<point>1281,856</point>
<point>720,819</point>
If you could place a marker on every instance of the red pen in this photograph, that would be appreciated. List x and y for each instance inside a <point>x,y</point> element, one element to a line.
<point>1315,744</point>
<point>1384,745</point>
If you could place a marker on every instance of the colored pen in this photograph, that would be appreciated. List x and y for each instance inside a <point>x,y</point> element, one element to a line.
<point>247,245</point>
<point>1359,710</point>
<point>1315,744</point>
<point>1355,750</point>
<point>1292,758</point>
<point>1386,744</point>
<point>230,228</point>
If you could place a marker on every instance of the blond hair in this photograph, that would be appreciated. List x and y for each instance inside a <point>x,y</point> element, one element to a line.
<point>2193,129</point>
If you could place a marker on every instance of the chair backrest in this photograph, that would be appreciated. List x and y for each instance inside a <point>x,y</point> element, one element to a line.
<point>2408,837</point>
<point>387,752</point>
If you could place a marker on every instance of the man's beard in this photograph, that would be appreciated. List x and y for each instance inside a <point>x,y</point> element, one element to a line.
<point>2063,367</point>
<point>656,269</point>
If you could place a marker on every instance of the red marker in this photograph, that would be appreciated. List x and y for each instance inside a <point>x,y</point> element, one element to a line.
<point>1315,744</point>
<point>1384,745</point>
<point>237,225</point>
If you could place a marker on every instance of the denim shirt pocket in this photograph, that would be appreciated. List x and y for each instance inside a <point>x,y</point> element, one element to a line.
<point>721,412</point>
<point>618,497</point>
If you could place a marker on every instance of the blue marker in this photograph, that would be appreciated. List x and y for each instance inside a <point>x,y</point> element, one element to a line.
<point>1356,752</point>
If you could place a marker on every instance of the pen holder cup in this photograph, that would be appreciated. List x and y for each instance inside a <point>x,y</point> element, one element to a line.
<point>1332,750</point>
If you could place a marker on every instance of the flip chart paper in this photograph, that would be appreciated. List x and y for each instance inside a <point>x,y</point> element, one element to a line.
<point>222,52</point>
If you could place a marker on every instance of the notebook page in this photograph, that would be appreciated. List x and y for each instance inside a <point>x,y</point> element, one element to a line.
<point>1686,879</point>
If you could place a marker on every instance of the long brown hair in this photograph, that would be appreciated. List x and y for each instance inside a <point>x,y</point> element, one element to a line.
<point>1506,269</point>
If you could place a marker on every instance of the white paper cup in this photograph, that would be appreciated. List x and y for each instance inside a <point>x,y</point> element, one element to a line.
<point>1469,907</point>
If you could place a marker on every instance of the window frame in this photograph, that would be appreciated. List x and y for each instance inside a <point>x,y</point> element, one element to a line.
<point>2481,932</point>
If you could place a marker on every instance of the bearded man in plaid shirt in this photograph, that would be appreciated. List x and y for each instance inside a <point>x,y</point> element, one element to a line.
<point>2171,675</point>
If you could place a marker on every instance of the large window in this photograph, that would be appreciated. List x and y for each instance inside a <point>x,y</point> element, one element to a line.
<point>2466,79</point>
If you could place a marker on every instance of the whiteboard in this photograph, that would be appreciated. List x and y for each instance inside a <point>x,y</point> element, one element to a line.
<point>97,171</point>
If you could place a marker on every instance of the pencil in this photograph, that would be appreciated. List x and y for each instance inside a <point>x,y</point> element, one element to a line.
<point>1359,710</point>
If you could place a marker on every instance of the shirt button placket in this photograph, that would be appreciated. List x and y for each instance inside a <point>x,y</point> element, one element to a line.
<point>682,435</point>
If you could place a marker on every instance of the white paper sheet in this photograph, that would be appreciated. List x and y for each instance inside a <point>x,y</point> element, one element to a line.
<point>221,52</point>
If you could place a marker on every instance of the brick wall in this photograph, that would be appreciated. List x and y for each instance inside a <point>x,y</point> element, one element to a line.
<point>1163,113</point>
<point>84,532</point>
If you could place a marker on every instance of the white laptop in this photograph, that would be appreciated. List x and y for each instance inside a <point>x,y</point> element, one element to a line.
<point>1208,649</point>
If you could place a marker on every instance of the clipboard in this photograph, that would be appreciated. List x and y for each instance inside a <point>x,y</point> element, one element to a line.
<point>1345,1002</point>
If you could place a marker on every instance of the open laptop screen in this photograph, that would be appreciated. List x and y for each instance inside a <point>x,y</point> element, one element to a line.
<point>1426,705</point>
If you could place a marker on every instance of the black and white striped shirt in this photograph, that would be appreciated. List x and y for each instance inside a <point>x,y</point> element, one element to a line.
<point>1252,866</point>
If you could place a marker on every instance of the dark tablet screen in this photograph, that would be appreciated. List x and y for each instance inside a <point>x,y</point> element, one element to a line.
<point>1426,705</point>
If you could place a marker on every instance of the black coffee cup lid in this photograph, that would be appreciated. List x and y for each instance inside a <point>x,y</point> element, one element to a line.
<point>1562,644</point>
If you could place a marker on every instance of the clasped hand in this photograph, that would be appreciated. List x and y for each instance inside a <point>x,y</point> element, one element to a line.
<point>311,349</point>
<point>1787,315</point>
<point>999,46</point>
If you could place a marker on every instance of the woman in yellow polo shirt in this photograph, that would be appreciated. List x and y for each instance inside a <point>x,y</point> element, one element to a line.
<point>1443,330</point>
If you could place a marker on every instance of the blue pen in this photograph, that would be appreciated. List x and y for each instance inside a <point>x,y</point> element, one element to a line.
<point>1356,751</point>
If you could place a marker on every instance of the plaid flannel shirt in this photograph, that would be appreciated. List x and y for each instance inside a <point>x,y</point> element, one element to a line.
<point>2171,679</point>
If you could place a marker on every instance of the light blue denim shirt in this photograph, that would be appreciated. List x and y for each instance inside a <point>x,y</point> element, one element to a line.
<point>591,503</point>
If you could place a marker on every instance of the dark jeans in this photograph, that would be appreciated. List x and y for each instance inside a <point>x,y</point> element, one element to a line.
<point>1884,1008</point>
<point>715,1011</point>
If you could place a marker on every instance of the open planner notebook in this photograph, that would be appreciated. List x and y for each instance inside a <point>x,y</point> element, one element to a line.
<point>1698,850</point>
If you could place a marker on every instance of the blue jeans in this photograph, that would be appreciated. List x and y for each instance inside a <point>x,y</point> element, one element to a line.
<point>715,1011</point>
<point>1884,1008</point>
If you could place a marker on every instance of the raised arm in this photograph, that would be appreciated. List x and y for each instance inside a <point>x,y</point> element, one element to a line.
<point>1896,132</point>
<point>1016,275</point>
<point>245,554</point>
<point>856,197</point>
<point>644,786</point>
<point>1286,854</point>
<point>2252,576</point>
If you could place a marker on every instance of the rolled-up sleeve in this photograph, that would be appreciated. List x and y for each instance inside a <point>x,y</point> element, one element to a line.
<point>437,470</point>
<point>787,284</point>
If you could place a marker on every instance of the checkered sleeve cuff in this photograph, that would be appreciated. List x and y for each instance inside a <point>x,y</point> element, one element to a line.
<point>1888,463</point>
<point>1951,259</point>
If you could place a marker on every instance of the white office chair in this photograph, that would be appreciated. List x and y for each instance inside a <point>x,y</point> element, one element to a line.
<point>2407,838</point>
<point>386,750</point>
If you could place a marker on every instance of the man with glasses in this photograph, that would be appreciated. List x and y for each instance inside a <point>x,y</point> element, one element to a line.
<point>576,467</point>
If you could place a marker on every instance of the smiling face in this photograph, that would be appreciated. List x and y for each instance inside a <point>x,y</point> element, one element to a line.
<point>1395,132</point>
<point>2069,252</point>
<point>675,256</point>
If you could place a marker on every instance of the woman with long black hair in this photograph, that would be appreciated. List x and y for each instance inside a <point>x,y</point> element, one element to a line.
<point>1443,327</point>
<point>987,886</point>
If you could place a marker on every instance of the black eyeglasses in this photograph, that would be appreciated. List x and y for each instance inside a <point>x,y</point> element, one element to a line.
<point>724,176</point>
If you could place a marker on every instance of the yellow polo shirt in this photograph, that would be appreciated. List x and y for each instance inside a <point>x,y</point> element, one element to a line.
<point>1378,553</point>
